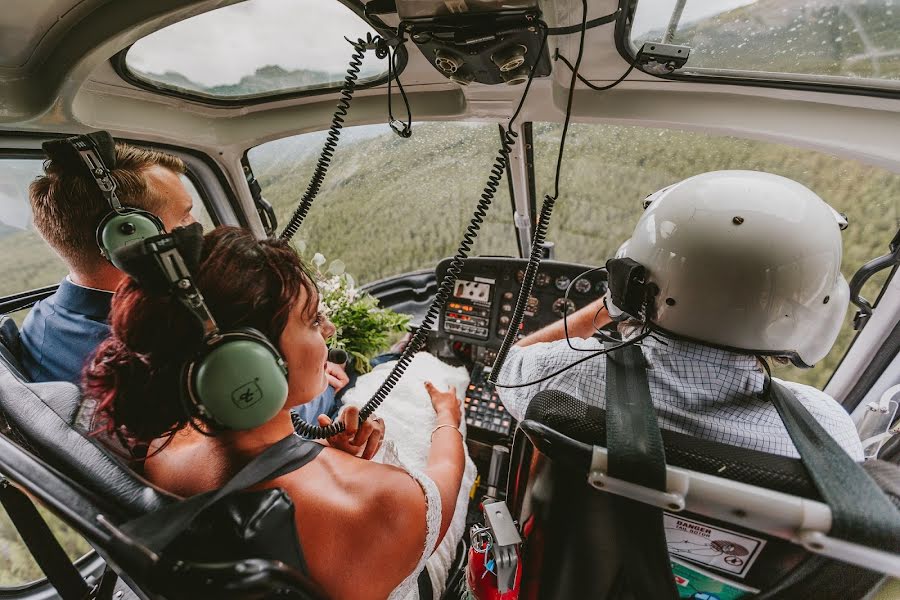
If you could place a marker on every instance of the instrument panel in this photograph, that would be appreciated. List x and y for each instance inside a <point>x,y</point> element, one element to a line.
<point>481,306</point>
<point>476,318</point>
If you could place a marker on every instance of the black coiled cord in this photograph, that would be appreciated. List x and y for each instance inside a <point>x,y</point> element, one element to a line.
<point>334,132</point>
<point>534,262</point>
<point>498,169</point>
<point>543,223</point>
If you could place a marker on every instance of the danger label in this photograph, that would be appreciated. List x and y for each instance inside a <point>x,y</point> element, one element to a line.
<point>720,549</point>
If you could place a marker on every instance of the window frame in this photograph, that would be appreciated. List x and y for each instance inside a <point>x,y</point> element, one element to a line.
<point>120,66</point>
<point>192,158</point>
<point>791,81</point>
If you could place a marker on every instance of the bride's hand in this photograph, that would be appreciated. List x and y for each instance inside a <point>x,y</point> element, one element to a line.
<point>363,441</point>
<point>445,404</point>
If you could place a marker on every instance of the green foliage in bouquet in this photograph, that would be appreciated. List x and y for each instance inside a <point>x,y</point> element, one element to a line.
<point>364,329</point>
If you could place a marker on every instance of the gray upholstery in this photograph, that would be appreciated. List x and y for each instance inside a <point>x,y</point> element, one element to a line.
<point>548,489</point>
<point>42,416</point>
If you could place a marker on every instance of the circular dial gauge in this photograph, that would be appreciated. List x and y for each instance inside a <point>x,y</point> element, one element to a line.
<point>582,286</point>
<point>520,276</point>
<point>562,282</point>
<point>562,306</point>
<point>542,280</point>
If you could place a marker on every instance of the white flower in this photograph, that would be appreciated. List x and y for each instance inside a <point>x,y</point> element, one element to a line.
<point>318,259</point>
<point>336,267</point>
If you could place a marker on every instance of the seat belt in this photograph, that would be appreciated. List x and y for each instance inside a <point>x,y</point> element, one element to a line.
<point>860,511</point>
<point>636,454</point>
<point>43,545</point>
<point>158,529</point>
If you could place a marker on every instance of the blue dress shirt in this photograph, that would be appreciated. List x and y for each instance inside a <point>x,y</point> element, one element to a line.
<point>62,331</point>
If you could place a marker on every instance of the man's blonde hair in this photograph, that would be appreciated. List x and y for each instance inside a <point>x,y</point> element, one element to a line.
<point>67,207</point>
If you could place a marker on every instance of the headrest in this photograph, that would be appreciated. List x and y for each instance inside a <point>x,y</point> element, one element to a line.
<point>64,154</point>
<point>587,424</point>
<point>142,260</point>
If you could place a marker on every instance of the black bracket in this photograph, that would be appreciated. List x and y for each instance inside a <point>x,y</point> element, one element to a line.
<point>859,279</point>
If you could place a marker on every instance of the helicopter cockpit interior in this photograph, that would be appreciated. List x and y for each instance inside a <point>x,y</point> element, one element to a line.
<point>474,165</point>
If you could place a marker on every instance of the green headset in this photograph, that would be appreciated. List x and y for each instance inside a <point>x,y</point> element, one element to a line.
<point>238,380</point>
<point>122,225</point>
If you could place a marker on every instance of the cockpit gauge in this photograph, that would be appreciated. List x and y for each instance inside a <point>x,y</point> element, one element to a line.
<point>582,286</point>
<point>542,280</point>
<point>520,275</point>
<point>563,306</point>
<point>562,282</point>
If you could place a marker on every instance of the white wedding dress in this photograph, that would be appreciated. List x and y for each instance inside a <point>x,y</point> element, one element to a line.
<point>409,419</point>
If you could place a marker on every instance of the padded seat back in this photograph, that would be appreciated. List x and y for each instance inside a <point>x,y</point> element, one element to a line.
<point>244,546</point>
<point>10,347</point>
<point>41,415</point>
<point>570,547</point>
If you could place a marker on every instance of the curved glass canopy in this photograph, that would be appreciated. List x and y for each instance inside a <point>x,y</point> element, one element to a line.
<point>254,49</point>
<point>829,42</point>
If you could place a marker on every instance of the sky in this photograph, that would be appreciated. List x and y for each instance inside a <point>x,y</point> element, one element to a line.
<point>223,45</point>
<point>655,14</point>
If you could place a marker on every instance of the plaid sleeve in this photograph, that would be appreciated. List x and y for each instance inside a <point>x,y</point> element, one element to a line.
<point>536,362</point>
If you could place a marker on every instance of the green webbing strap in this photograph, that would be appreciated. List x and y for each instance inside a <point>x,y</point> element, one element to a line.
<point>636,455</point>
<point>42,544</point>
<point>860,511</point>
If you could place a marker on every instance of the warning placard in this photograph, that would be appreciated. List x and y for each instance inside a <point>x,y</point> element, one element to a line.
<point>712,546</point>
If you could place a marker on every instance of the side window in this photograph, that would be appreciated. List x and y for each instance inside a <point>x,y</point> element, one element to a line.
<point>26,263</point>
<point>610,169</point>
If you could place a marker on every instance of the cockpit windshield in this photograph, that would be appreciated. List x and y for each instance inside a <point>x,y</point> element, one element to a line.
<point>390,205</point>
<point>822,41</point>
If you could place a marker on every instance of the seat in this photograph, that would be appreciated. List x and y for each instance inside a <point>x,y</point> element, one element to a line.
<point>10,347</point>
<point>96,493</point>
<point>570,549</point>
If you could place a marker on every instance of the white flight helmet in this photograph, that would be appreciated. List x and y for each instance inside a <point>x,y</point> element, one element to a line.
<point>744,260</point>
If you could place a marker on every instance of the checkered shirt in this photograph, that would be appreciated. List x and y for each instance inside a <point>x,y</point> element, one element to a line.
<point>697,390</point>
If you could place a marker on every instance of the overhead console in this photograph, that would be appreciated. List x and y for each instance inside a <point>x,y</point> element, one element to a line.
<point>476,318</point>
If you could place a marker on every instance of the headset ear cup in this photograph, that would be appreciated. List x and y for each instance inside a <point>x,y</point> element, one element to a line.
<point>241,382</point>
<point>120,229</point>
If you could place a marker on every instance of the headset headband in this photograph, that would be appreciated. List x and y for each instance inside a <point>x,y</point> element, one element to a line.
<point>164,263</point>
<point>93,154</point>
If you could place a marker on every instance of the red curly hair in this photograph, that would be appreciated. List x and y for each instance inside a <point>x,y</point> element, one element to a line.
<point>135,375</point>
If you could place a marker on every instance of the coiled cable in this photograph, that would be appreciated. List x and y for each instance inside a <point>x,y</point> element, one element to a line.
<point>445,289</point>
<point>334,132</point>
<point>543,224</point>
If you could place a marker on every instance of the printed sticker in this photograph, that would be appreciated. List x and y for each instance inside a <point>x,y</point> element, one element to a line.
<point>694,583</point>
<point>714,547</point>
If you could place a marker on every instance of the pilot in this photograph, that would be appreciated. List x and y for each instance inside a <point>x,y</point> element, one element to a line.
<point>62,331</point>
<point>747,265</point>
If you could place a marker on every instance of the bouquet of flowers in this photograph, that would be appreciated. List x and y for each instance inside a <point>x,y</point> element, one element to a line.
<point>364,329</point>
